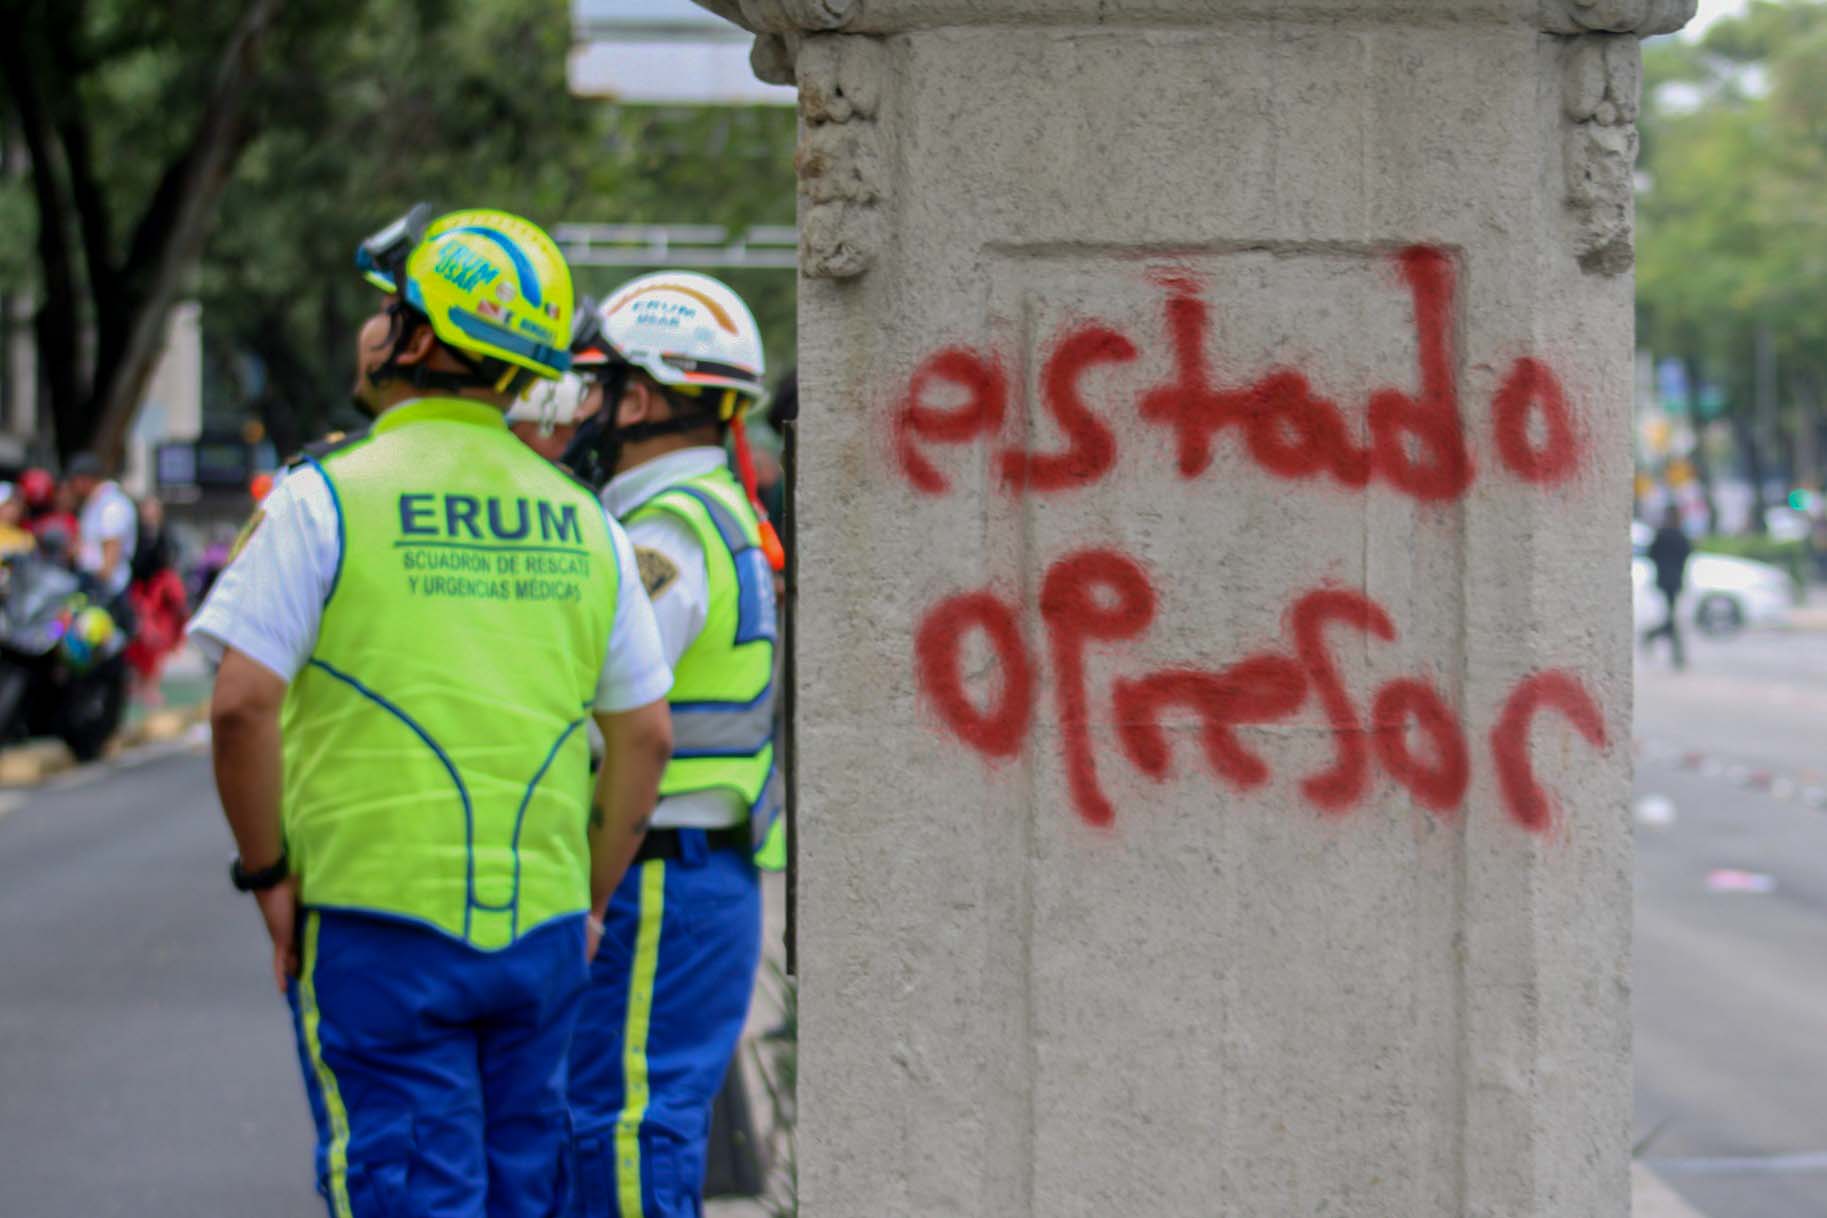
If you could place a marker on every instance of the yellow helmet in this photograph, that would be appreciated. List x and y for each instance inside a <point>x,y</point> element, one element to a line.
<point>492,284</point>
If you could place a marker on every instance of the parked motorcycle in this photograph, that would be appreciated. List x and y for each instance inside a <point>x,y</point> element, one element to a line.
<point>62,667</point>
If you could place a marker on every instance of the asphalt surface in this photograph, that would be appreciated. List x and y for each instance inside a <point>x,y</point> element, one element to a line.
<point>146,1063</point>
<point>1731,986</point>
<point>147,1067</point>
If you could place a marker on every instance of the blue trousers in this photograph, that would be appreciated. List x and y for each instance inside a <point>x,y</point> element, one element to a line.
<point>436,1072</point>
<point>669,992</point>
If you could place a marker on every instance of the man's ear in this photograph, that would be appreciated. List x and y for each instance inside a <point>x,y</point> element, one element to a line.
<point>640,403</point>
<point>418,345</point>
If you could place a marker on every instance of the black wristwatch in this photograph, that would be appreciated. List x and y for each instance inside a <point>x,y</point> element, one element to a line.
<point>259,881</point>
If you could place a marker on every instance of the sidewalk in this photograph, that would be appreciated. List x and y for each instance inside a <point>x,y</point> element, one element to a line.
<point>1650,1198</point>
<point>764,1015</point>
<point>1811,614</point>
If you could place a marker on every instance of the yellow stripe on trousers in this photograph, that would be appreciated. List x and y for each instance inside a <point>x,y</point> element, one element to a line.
<point>326,1081</point>
<point>634,1040</point>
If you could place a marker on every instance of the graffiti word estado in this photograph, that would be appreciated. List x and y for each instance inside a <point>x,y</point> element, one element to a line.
<point>1102,596</point>
<point>1418,443</point>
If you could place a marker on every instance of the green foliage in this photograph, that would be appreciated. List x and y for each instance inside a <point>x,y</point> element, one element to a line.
<point>18,271</point>
<point>359,109</point>
<point>1733,221</point>
<point>460,105</point>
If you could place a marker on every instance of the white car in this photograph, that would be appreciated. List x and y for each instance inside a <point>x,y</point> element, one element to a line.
<point>1722,595</point>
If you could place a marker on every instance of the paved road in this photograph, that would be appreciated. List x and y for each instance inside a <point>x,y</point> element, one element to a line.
<point>1731,987</point>
<point>144,1059</point>
<point>146,1068</point>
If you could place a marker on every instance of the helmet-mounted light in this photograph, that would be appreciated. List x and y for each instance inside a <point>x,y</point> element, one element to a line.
<point>381,258</point>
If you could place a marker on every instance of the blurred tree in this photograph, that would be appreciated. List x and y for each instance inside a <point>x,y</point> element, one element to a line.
<point>459,105</point>
<point>132,117</point>
<point>365,107</point>
<point>1732,249</point>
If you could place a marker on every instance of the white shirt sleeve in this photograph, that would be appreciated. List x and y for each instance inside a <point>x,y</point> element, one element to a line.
<point>636,670</point>
<point>116,521</point>
<point>683,603</point>
<point>269,602</point>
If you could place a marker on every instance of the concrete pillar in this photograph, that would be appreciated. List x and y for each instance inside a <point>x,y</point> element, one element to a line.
<point>1215,711</point>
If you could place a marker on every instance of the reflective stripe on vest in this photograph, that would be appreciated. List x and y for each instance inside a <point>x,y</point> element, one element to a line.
<point>435,763</point>
<point>723,686</point>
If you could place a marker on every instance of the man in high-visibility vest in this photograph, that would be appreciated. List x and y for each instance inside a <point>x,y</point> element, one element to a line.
<point>417,626</point>
<point>676,360</point>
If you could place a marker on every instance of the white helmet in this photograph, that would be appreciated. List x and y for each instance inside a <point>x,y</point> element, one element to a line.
<point>550,404</point>
<point>689,331</point>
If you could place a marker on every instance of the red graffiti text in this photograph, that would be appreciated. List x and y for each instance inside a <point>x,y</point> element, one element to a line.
<point>1104,598</point>
<point>1417,439</point>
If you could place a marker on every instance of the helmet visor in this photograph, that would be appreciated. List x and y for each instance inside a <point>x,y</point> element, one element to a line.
<point>381,258</point>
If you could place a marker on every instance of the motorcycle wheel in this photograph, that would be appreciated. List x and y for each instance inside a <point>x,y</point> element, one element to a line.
<point>91,710</point>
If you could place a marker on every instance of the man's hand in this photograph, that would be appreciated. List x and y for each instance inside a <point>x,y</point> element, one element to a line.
<point>593,936</point>
<point>279,906</point>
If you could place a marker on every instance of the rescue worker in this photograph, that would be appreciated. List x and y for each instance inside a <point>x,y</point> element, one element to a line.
<point>410,641</point>
<point>676,362</point>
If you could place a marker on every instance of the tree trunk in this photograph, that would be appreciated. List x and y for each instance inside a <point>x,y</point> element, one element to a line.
<point>1752,433</point>
<point>1806,421</point>
<point>1744,434</point>
<point>159,260</point>
<point>1703,465</point>
<point>58,324</point>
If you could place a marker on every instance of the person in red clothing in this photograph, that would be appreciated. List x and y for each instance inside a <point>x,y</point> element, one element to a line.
<point>48,515</point>
<point>159,602</point>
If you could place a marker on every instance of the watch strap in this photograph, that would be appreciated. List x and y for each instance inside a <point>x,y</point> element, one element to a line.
<point>270,876</point>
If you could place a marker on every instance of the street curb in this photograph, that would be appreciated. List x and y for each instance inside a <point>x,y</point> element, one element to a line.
<point>1651,1198</point>
<point>28,764</point>
<point>167,723</point>
<point>1808,619</point>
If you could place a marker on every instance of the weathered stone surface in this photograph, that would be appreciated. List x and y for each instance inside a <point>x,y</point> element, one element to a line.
<point>840,164</point>
<point>1215,653</point>
<point>1642,17</point>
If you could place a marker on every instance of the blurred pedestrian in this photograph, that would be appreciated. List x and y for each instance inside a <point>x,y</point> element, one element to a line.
<point>1669,551</point>
<point>107,528</point>
<point>155,550</point>
<point>158,599</point>
<point>47,514</point>
<point>14,539</point>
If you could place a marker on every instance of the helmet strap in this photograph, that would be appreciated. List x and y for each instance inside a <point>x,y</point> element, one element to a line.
<point>745,470</point>
<point>480,373</point>
<point>596,445</point>
<point>689,413</point>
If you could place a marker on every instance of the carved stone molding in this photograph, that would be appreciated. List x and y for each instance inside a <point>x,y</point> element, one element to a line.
<point>840,162</point>
<point>1639,17</point>
<point>1600,86</point>
<point>783,16</point>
